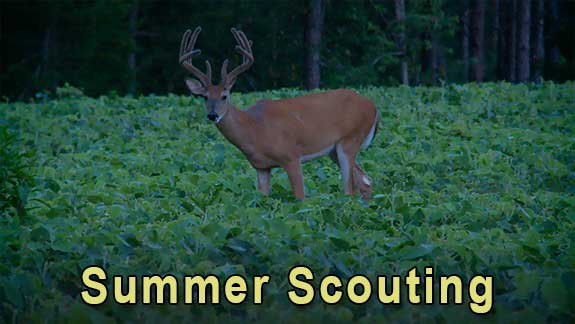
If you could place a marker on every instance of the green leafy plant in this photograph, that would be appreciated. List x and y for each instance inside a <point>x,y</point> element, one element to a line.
<point>470,179</point>
<point>15,179</point>
<point>68,91</point>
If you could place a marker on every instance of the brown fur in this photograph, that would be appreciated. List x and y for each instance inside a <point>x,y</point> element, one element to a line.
<point>282,133</point>
<point>277,133</point>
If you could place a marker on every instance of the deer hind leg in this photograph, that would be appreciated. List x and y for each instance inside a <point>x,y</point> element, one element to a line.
<point>346,154</point>
<point>362,182</point>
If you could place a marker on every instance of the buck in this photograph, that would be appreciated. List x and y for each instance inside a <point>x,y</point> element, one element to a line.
<point>284,133</point>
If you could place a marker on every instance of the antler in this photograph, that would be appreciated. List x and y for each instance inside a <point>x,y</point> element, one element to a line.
<point>244,47</point>
<point>187,51</point>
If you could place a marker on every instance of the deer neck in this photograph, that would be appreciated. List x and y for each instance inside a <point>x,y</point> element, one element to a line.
<point>236,126</point>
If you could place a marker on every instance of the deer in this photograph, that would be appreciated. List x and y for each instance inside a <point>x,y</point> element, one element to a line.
<point>288,132</point>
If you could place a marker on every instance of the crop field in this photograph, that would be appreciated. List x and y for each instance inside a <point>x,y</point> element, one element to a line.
<point>469,179</point>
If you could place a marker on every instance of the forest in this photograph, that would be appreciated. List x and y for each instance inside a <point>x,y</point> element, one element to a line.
<point>130,47</point>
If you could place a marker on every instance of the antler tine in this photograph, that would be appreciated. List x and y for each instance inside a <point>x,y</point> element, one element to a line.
<point>208,71</point>
<point>238,37</point>
<point>244,48</point>
<point>187,44</point>
<point>183,43</point>
<point>244,43</point>
<point>187,51</point>
<point>224,69</point>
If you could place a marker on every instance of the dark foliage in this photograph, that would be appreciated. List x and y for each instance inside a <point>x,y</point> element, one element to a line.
<point>15,180</point>
<point>131,46</point>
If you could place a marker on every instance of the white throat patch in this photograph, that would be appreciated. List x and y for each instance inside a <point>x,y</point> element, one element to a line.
<point>220,117</point>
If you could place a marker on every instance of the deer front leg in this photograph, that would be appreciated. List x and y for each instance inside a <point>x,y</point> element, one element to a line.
<point>264,181</point>
<point>293,169</point>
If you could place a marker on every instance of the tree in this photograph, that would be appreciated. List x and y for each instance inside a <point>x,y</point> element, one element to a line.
<point>432,27</point>
<point>523,43</point>
<point>464,22</point>
<point>435,56</point>
<point>132,55</point>
<point>500,34</point>
<point>99,46</point>
<point>478,39</point>
<point>511,13</point>
<point>554,53</point>
<point>539,55</point>
<point>401,43</point>
<point>314,25</point>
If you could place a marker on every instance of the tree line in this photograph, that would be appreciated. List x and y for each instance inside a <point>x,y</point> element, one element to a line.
<point>131,47</point>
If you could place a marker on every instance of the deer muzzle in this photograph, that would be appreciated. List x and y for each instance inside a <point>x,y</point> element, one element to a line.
<point>212,115</point>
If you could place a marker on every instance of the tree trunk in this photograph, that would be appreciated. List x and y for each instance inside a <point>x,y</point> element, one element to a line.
<point>313,32</point>
<point>435,57</point>
<point>44,67</point>
<point>539,57</point>
<point>512,41</point>
<point>401,44</point>
<point>425,58</point>
<point>45,72</point>
<point>478,39</point>
<point>500,30</point>
<point>553,50</point>
<point>524,46</point>
<point>495,26</point>
<point>464,20</point>
<point>132,55</point>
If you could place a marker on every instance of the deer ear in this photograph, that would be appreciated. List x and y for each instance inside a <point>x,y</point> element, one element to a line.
<point>196,87</point>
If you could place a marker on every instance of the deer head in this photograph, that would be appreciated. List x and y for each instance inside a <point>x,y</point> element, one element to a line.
<point>216,96</point>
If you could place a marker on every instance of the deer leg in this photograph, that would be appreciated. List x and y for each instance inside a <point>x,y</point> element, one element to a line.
<point>293,169</point>
<point>333,157</point>
<point>362,182</point>
<point>346,162</point>
<point>264,181</point>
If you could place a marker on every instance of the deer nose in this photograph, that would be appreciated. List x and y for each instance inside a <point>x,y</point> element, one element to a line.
<point>212,116</point>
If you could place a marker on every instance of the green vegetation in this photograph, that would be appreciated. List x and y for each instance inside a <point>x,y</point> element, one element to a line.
<point>473,179</point>
<point>15,181</point>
